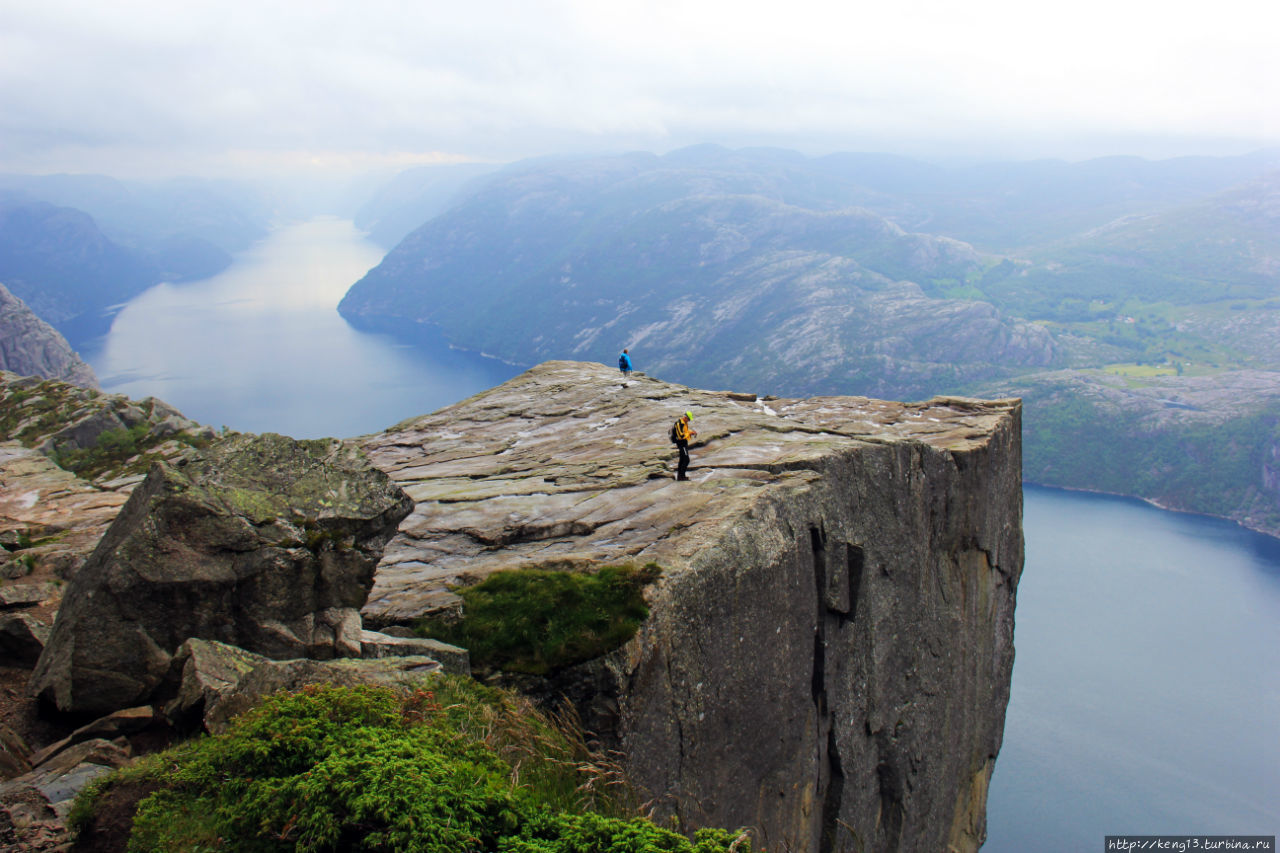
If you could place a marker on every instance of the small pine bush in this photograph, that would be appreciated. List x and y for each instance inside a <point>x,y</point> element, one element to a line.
<point>459,769</point>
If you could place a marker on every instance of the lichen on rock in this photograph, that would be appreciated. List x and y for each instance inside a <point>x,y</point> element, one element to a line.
<point>262,542</point>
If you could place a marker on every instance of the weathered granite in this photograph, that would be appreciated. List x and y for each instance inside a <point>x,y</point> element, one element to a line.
<point>31,347</point>
<point>115,725</point>
<point>374,645</point>
<point>69,456</point>
<point>829,649</point>
<point>217,682</point>
<point>57,417</point>
<point>47,505</point>
<point>17,595</point>
<point>15,755</point>
<point>53,785</point>
<point>263,542</point>
<point>22,639</point>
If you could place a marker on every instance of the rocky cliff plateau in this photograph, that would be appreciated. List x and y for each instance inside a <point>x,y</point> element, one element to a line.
<point>829,648</point>
<point>830,642</point>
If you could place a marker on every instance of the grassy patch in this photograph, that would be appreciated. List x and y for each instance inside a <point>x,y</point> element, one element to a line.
<point>536,622</point>
<point>458,768</point>
<point>113,450</point>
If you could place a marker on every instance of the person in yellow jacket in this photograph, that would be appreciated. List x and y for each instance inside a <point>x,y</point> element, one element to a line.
<point>683,434</point>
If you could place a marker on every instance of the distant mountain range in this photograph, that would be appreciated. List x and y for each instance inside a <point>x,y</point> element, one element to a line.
<point>58,261</point>
<point>769,271</point>
<point>73,245</point>
<point>714,273</point>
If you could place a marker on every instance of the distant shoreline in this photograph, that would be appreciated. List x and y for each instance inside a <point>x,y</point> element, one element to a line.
<point>1274,534</point>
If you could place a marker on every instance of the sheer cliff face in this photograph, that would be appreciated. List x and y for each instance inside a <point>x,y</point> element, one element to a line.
<point>829,650</point>
<point>31,347</point>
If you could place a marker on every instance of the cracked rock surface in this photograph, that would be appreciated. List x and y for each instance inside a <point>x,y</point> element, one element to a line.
<point>829,649</point>
<point>568,465</point>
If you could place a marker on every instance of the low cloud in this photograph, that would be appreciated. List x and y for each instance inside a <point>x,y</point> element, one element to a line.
<point>201,86</point>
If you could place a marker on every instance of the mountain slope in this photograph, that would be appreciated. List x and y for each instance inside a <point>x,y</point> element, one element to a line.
<point>1225,246</point>
<point>187,227</point>
<point>1208,444</point>
<point>712,272</point>
<point>61,265</point>
<point>412,197</point>
<point>31,347</point>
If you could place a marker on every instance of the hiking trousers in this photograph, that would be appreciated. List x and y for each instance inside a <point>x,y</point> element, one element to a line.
<point>683,447</point>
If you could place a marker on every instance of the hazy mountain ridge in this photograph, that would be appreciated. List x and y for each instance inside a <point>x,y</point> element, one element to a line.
<point>59,262</point>
<point>715,272</point>
<point>1011,207</point>
<point>413,196</point>
<point>188,228</point>
<point>1223,247</point>
<point>71,246</point>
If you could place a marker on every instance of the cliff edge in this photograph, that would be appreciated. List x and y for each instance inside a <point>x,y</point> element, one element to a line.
<point>829,649</point>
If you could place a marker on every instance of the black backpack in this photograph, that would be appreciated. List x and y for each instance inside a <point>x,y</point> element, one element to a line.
<point>674,439</point>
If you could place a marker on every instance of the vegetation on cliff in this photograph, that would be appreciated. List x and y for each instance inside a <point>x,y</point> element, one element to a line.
<point>461,767</point>
<point>93,435</point>
<point>535,622</point>
<point>1214,468</point>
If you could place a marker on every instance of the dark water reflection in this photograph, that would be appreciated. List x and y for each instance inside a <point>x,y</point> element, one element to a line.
<point>1146,692</point>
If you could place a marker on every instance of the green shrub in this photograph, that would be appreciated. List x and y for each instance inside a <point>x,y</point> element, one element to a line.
<point>114,447</point>
<point>536,622</point>
<point>458,768</point>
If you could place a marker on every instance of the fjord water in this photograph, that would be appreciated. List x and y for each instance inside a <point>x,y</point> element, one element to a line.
<point>260,347</point>
<point>1146,686</point>
<point>1146,689</point>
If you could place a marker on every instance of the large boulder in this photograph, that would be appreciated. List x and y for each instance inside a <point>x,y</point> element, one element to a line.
<point>262,542</point>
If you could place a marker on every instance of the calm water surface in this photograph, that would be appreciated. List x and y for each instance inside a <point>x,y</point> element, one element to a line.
<point>1146,692</point>
<point>1146,689</point>
<point>261,347</point>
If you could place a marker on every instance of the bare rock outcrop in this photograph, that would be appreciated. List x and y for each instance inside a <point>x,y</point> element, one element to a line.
<point>262,542</point>
<point>31,347</point>
<point>829,649</point>
<point>217,682</point>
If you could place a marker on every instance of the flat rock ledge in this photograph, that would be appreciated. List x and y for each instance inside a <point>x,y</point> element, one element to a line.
<point>829,649</point>
<point>567,465</point>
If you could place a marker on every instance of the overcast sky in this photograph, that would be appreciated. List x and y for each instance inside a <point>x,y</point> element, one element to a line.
<point>134,87</point>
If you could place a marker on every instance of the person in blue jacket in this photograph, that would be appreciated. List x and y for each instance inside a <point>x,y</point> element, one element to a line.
<point>624,364</point>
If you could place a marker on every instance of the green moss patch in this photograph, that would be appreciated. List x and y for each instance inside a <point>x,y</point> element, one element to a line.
<point>119,451</point>
<point>535,622</point>
<point>458,768</point>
